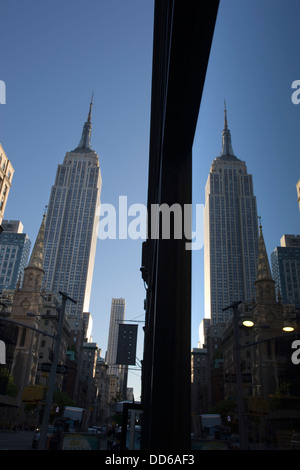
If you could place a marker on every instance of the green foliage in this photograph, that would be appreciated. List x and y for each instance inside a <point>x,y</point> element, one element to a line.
<point>12,389</point>
<point>224,408</point>
<point>62,399</point>
<point>7,384</point>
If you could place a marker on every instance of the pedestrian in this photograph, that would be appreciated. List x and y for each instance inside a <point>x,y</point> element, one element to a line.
<point>110,438</point>
<point>118,442</point>
<point>55,441</point>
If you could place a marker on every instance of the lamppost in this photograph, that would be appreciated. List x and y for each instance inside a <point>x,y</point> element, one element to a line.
<point>239,383</point>
<point>52,375</point>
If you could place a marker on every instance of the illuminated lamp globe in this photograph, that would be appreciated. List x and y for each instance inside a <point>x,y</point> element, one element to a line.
<point>288,328</point>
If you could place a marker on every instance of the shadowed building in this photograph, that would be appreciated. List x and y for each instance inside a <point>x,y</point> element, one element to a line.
<point>28,299</point>
<point>181,47</point>
<point>117,315</point>
<point>285,261</point>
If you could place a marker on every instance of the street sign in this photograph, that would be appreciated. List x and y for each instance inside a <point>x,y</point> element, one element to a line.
<point>46,367</point>
<point>247,378</point>
<point>231,378</point>
<point>61,368</point>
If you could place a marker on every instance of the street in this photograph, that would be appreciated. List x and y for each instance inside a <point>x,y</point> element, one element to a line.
<point>16,440</point>
<point>22,440</point>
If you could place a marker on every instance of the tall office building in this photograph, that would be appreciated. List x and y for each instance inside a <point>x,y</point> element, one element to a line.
<point>71,224</point>
<point>14,253</point>
<point>117,315</point>
<point>6,174</point>
<point>285,261</point>
<point>230,233</point>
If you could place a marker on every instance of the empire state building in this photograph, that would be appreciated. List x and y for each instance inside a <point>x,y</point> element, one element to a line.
<point>230,233</point>
<point>71,224</point>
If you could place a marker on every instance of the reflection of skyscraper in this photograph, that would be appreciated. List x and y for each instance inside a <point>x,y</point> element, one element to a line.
<point>117,315</point>
<point>230,233</point>
<point>286,269</point>
<point>70,235</point>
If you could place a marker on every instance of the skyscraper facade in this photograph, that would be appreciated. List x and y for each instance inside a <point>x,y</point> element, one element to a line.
<point>71,224</point>
<point>117,315</point>
<point>285,261</point>
<point>14,253</point>
<point>230,233</point>
<point>6,174</point>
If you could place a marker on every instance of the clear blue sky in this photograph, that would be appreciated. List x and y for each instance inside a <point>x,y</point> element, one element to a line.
<point>55,54</point>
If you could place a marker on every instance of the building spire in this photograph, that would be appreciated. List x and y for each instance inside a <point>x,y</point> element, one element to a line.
<point>37,255</point>
<point>85,141</point>
<point>90,111</point>
<point>226,137</point>
<point>225,116</point>
<point>263,267</point>
<point>264,284</point>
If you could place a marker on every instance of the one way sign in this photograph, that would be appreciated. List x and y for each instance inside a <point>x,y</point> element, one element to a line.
<point>62,369</point>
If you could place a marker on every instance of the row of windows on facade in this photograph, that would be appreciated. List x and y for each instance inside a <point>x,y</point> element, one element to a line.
<point>82,208</point>
<point>79,207</point>
<point>81,162</point>
<point>292,253</point>
<point>59,194</point>
<point>220,216</point>
<point>53,234</point>
<point>230,192</point>
<point>224,201</point>
<point>85,180</point>
<point>75,266</point>
<point>3,166</point>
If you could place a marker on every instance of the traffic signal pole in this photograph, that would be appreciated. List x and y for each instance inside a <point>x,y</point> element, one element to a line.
<point>52,377</point>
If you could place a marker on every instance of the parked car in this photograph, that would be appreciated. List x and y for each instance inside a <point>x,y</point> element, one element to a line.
<point>209,444</point>
<point>295,441</point>
<point>234,442</point>
<point>94,429</point>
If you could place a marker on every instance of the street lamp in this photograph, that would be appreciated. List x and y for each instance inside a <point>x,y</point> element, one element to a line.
<point>288,328</point>
<point>248,323</point>
<point>52,376</point>
<point>288,322</point>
